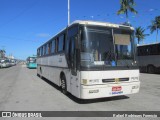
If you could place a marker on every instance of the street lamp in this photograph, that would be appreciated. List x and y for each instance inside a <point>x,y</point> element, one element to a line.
<point>68,12</point>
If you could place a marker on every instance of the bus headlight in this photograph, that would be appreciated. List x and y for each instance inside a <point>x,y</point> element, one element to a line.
<point>134,78</point>
<point>84,81</point>
<point>94,81</point>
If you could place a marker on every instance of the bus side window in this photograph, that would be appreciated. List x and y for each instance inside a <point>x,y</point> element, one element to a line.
<point>61,43</point>
<point>44,50</point>
<point>53,46</point>
<point>49,47</point>
<point>38,52</point>
<point>57,42</point>
<point>158,49</point>
<point>41,51</point>
<point>72,55</point>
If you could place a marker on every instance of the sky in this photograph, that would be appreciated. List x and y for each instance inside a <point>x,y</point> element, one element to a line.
<point>27,24</point>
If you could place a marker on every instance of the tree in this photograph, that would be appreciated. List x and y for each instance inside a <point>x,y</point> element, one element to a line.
<point>2,53</point>
<point>139,34</point>
<point>155,26</point>
<point>126,6</point>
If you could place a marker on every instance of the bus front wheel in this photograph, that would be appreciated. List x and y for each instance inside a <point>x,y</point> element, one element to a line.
<point>63,85</point>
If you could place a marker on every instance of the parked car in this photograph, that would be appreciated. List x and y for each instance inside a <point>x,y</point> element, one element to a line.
<point>12,62</point>
<point>1,63</point>
<point>4,63</point>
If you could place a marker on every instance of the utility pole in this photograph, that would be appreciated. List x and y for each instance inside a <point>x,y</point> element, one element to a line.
<point>68,12</point>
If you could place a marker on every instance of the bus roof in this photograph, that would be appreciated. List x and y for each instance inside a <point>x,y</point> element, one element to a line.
<point>98,23</point>
<point>94,23</point>
<point>32,56</point>
<point>148,44</point>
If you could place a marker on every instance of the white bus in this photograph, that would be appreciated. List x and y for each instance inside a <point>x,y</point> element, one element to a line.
<point>91,60</point>
<point>148,57</point>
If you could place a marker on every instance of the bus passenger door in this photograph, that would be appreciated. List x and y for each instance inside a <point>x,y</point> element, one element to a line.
<point>74,81</point>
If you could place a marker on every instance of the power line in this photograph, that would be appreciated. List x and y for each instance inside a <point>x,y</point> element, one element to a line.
<point>20,14</point>
<point>19,39</point>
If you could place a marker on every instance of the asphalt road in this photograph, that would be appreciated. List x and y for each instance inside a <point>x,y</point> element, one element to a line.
<point>22,90</point>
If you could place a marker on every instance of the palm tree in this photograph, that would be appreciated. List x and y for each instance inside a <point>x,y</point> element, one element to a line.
<point>1,53</point>
<point>155,26</point>
<point>139,34</point>
<point>126,6</point>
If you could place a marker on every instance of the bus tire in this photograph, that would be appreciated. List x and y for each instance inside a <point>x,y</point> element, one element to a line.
<point>37,74</point>
<point>151,69</point>
<point>63,85</point>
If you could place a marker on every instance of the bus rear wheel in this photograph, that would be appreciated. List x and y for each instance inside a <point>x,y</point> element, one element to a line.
<point>151,69</point>
<point>63,85</point>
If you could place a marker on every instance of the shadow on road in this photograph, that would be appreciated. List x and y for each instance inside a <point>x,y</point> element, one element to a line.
<point>88,101</point>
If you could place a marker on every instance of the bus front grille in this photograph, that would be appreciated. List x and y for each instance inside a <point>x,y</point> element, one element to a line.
<point>115,80</point>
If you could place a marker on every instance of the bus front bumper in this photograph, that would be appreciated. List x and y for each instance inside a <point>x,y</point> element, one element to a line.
<point>109,90</point>
<point>33,65</point>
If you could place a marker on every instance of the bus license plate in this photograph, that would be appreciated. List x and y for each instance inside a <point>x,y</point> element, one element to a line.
<point>116,88</point>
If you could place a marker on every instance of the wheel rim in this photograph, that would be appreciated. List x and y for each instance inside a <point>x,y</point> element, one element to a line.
<point>63,84</point>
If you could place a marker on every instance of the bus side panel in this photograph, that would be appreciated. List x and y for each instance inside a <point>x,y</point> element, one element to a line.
<point>51,67</point>
<point>75,84</point>
<point>149,60</point>
<point>51,73</point>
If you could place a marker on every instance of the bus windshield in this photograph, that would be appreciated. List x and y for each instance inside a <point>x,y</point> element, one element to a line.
<point>124,47</point>
<point>32,60</point>
<point>106,47</point>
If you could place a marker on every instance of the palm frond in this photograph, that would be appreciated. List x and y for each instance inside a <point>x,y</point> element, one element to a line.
<point>139,34</point>
<point>133,10</point>
<point>125,6</point>
<point>131,1</point>
<point>121,11</point>
<point>153,26</point>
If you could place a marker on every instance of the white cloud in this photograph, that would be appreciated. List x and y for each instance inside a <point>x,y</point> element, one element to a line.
<point>151,10</point>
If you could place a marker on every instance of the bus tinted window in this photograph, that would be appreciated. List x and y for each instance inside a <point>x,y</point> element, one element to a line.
<point>38,52</point>
<point>61,43</point>
<point>49,47</point>
<point>53,47</point>
<point>41,51</point>
<point>149,50</point>
<point>158,49</point>
<point>57,42</point>
<point>44,49</point>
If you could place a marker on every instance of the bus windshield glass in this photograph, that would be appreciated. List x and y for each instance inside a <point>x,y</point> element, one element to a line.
<point>32,60</point>
<point>102,46</point>
<point>124,47</point>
